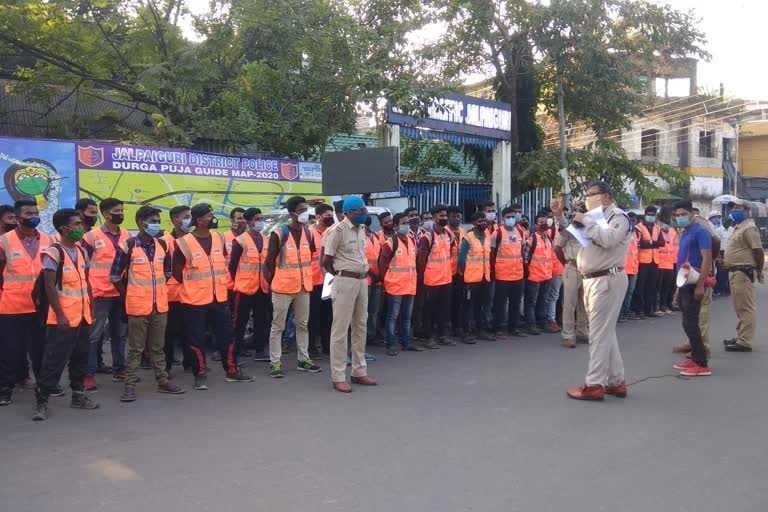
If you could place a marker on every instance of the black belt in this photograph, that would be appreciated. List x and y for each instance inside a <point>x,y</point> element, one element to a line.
<point>603,273</point>
<point>353,275</point>
<point>749,270</point>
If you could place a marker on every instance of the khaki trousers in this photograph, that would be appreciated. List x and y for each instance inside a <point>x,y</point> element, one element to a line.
<point>146,331</point>
<point>350,308</point>
<point>603,297</point>
<point>574,314</point>
<point>281,302</point>
<point>743,297</point>
<point>706,302</point>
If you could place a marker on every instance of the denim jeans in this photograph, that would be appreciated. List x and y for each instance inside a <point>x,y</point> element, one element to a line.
<point>555,284</point>
<point>536,295</point>
<point>399,306</point>
<point>374,303</point>
<point>627,306</point>
<point>109,312</point>
<point>507,300</point>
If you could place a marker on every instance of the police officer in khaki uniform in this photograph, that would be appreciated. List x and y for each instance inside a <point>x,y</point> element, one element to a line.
<point>744,258</point>
<point>345,259</point>
<point>601,264</point>
<point>575,325</point>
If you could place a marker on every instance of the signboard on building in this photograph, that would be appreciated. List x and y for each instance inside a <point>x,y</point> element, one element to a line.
<point>460,114</point>
<point>57,173</point>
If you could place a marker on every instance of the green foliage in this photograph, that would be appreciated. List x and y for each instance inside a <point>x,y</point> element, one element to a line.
<point>422,156</point>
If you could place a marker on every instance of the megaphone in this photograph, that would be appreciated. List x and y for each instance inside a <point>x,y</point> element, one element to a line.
<point>687,275</point>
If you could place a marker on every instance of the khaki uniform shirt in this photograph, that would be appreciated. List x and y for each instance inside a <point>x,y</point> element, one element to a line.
<point>609,246</point>
<point>571,248</point>
<point>346,243</point>
<point>744,239</point>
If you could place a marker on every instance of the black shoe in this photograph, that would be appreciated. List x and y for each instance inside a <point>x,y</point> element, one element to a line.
<point>6,398</point>
<point>517,333</point>
<point>41,411</point>
<point>413,348</point>
<point>201,382</point>
<point>533,331</point>
<point>176,362</point>
<point>129,394</point>
<point>308,366</point>
<point>468,341</point>
<point>392,352</point>
<point>238,376</point>
<point>216,356</point>
<point>57,392</point>
<point>107,370</point>
<point>737,348</point>
<point>731,341</point>
<point>261,358</point>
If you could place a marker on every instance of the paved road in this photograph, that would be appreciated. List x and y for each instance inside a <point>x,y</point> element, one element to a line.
<point>485,428</point>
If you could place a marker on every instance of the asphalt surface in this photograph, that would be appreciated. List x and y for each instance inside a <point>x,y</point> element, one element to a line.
<point>471,428</point>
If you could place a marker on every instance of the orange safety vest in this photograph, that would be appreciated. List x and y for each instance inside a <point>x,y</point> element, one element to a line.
<point>557,267</point>
<point>20,273</point>
<point>648,255</point>
<point>438,271</point>
<point>249,277</point>
<point>632,265</point>
<point>293,272</point>
<point>171,284</point>
<point>509,256</point>
<point>101,261</point>
<point>205,275</point>
<point>317,272</point>
<point>74,299</point>
<point>229,236</point>
<point>400,278</point>
<point>478,265</point>
<point>146,288</point>
<point>667,255</point>
<point>372,253</point>
<point>540,266</point>
<point>455,247</point>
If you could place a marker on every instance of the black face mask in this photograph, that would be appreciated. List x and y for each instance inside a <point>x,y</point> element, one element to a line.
<point>328,221</point>
<point>89,221</point>
<point>414,221</point>
<point>481,227</point>
<point>9,227</point>
<point>442,222</point>
<point>117,219</point>
<point>455,222</point>
<point>524,224</point>
<point>213,223</point>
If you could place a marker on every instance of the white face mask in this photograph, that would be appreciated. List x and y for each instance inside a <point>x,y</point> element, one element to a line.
<point>550,222</point>
<point>258,226</point>
<point>303,218</point>
<point>593,202</point>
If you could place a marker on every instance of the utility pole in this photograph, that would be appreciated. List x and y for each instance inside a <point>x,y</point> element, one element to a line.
<point>563,141</point>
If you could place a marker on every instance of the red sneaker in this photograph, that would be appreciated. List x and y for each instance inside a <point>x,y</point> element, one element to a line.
<point>619,391</point>
<point>553,325</point>
<point>696,371</point>
<point>688,363</point>
<point>90,383</point>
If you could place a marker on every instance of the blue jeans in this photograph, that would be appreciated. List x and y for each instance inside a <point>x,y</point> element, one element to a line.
<point>399,306</point>
<point>555,284</point>
<point>626,307</point>
<point>374,303</point>
<point>109,311</point>
<point>536,295</point>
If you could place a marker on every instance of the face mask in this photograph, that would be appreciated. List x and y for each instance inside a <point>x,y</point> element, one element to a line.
<point>509,222</point>
<point>116,219</point>
<point>213,223</point>
<point>89,221</point>
<point>482,227</point>
<point>737,216</point>
<point>428,224</point>
<point>403,229</point>
<point>550,222</point>
<point>683,222</point>
<point>30,223</point>
<point>673,223</point>
<point>541,227</point>
<point>518,217</point>
<point>414,221</point>
<point>524,224</point>
<point>10,227</point>
<point>360,218</point>
<point>152,229</point>
<point>650,219</point>
<point>328,221</point>
<point>186,225</point>
<point>715,222</point>
<point>593,202</point>
<point>258,226</point>
<point>442,222</point>
<point>303,218</point>
<point>76,235</point>
<point>632,224</point>
<point>490,216</point>
<point>454,222</point>
<point>239,229</point>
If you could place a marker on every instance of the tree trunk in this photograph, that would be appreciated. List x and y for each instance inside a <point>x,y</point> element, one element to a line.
<point>514,135</point>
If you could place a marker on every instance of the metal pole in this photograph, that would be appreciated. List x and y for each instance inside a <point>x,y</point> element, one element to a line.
<point>563,141</point>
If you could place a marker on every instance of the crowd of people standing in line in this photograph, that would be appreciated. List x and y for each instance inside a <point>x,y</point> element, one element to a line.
<point>421,277</point>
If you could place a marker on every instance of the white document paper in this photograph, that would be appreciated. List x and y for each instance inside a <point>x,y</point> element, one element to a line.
<point>327,284</point>
<point>597,216</point>
<point>579,233</point>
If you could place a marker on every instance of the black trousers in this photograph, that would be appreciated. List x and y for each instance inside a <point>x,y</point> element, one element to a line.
<point>260,307</point>
<point>666,288</point>
<point>174,334</point>
<point>476,296</point>
<point>509,295</point>
<point>457,302</point>
<point>691,308</point>
<point>320,319</point>
<point>437,307</point>
<point>196,320</point>
<point>420,329</point>
<point>19,334</point>
<point>647,287</point>
<point>62,347</point>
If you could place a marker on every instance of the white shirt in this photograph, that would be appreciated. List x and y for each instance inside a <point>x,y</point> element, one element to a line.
<point>723,234</point>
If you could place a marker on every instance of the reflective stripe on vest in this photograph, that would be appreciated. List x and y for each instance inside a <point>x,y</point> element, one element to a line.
<point>73,297</point>
<point>293,271</point>
<point>540,266</point>
<point>101,261</point>
<point>20,273</point>
<point>648,255</point>
<point>146,289</point>
<point>249,278</point>
<point>438,269</point>
<point>509,257</point>
<point>205,278</point>
<point>400,278</point>
<point>478,264</point>
<point>668,254</point>
<point>172,285</point>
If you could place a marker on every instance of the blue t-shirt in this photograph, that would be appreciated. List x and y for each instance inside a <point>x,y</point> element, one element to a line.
<point>692,241</point>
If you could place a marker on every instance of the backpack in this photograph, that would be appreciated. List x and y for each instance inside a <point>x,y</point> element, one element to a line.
<point>39,297</point>
<point>284,237</point>
<point>131,243</point>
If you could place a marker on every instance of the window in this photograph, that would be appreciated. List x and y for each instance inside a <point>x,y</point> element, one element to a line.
<point>707,144</point>
<point>649,144</point>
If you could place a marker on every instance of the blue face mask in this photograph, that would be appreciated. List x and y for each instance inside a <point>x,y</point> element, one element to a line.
<point>152,230</point>
<point>510,222</point>
<point>683,222</point>
<point>715,222</point>
<point>359,218</point>
<point>650,219</point>
<point>632,224</point>
<point>454,221</point>
<point>737,216</point>
<point>404,229</point>
<point>30,223</point>
<point>518,217</point>
<point>186,225</point>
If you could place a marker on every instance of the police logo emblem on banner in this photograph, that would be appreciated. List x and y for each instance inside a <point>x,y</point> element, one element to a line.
<point>90,156</point>
<point>289,171</point>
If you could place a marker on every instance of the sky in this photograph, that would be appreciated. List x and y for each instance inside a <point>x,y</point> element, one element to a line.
<point>737,35</point>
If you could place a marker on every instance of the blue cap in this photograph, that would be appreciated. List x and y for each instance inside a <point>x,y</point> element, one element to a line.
<point>352,203</point>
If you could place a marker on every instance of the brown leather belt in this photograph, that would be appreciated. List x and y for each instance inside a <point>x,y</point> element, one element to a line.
<point>603,273</point>
<point>353,275</point>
